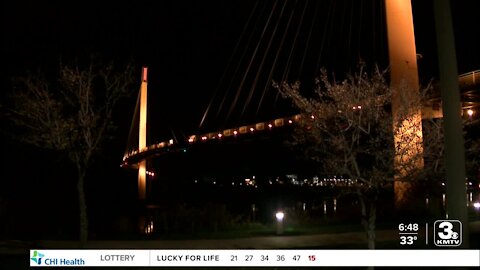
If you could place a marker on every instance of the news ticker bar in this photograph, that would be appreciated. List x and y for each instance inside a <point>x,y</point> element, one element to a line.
<point>254,258</point>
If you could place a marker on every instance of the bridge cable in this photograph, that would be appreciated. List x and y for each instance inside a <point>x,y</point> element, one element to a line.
<point>250,39</point>
<point>132,135</point>
<point>269,45</point>
<point>228,65</point>
<point>251,61</point>
<point>308,39</point>
<point>286,71</point>
<point>331,9</point>
<point>282,42</point>
<point>297,33</point>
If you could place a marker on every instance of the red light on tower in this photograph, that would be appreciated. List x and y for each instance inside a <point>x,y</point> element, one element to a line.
<point>144,74</point>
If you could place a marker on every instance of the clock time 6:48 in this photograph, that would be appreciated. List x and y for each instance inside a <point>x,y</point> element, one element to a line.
<point>408,227</point>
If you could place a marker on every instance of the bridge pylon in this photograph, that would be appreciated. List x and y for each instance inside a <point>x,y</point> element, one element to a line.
<point>142,136</point>
<point>404,81</point>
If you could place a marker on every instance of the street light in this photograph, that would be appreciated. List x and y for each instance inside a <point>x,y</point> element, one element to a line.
<point>476,205</point>
<point>280,216</point>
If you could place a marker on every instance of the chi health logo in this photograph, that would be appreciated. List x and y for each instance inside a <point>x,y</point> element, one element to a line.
<point>37,257</point>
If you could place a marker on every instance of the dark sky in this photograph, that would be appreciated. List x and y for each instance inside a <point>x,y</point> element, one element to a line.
<point>196,49</point>
<point>187,46</point>
<point>200,51</point>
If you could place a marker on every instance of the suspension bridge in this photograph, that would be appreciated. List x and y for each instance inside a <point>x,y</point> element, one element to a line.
<point>278,27</point>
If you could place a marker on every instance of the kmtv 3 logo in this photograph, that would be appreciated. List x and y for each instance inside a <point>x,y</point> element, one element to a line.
<point>447,233</point>
<point>37,257</point>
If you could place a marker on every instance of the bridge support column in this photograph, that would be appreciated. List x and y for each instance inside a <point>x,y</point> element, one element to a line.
<point>142,137</point>
<point>452,125</point>
<point>404,83</point>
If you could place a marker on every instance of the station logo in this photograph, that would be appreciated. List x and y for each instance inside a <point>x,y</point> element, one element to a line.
<point>37,257</point>
<point>447,233</point>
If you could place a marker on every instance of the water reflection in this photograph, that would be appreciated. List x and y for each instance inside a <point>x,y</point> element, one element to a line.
<point>325,207</point>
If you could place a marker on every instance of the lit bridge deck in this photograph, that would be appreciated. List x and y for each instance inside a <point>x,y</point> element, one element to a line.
<point>130,159</point>
<point>469,84</point>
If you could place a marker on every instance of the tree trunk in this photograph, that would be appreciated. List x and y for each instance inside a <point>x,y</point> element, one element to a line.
<point>369,215</point>
<point>83,209</point>
<point>372,217</point>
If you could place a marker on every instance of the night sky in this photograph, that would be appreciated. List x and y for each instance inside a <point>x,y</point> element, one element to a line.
<point>188,47</point>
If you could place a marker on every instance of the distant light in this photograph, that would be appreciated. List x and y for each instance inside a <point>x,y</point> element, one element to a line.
<point>190,140</point>
<point>290,121</point>
<point>204,138</point>
<point>235,132</point>
<point>219,135</point>
<point>470,112</point>
<point>354,107</point>
<point>313,117</point>
<point>270,125</point>
<point>476,205</point>
<point>170,141</point>
<point>359,107</point>
<point>279,215</point>
<point>252,129</point>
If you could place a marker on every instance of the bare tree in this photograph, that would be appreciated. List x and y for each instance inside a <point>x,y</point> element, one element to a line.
<point>72,114</point>
<point>349,129</point>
